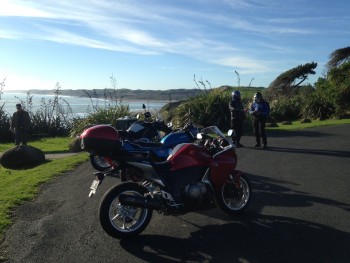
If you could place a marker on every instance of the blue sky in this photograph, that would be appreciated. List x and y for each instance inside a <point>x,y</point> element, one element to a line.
<point>162,44</point>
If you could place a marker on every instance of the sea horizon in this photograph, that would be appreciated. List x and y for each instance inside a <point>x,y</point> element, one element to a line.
<point>79,105</point>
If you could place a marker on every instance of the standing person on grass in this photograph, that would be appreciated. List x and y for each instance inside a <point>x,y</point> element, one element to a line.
<point>260,109</point>
<point>20,125</point>
<point>237,117</point>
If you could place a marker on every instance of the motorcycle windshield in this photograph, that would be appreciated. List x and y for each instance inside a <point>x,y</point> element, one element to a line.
<point>214,133</point>
<point>136,127</point>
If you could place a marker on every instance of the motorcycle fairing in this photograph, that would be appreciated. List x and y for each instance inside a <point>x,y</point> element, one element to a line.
<point>130,145</point>
<point>219,173</point>
<point>174,138</point>
<point>156,150</point>
<point>183,136</point>
<point>187,155</point>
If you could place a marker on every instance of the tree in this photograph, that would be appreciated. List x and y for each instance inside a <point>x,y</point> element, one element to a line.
<point>337,82</point>
<point>339,79</point>
<point>337,58</point>
<point>286,84</point>
<point>338,75</point>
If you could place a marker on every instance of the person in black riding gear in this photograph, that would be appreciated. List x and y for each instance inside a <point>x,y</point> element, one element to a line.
<point>20,125</point>
<point>260,109</point>
<point>237,117</point>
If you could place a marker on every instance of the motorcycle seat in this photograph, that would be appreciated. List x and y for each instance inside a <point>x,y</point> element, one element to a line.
<point>149,145</point>
<point>161,167</point>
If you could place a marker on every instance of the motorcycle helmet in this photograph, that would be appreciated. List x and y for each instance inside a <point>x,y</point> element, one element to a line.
<point>236,94</point>
<point>258,97</point>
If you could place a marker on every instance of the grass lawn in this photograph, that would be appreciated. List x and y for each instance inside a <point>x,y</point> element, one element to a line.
<point>18,186</point>
<point>296,125</point>
<point>47,145</point>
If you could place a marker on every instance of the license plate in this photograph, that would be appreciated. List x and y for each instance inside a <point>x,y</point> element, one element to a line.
<point>93,187</point>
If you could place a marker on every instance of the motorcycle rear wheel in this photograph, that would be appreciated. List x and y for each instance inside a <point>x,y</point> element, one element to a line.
<point>235,195</point>
<point>99,163</point>
<point>121,221</point>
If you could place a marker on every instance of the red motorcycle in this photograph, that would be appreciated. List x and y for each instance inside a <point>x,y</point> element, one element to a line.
<point>195,176</point>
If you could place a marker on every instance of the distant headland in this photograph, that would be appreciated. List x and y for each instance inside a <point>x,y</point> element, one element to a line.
<point>124,94</point>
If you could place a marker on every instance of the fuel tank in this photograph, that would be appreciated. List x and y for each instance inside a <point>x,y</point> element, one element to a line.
<point>175,138</point>
<point>101,139</point>
<point>189,155</point>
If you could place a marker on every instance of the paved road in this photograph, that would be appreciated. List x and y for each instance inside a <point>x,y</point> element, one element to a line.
<point>300,213</point>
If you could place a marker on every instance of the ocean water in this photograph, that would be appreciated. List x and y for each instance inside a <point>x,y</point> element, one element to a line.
<point>79,105</point>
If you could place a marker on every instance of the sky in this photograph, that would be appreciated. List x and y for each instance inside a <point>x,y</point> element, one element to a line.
<point>165,44</point>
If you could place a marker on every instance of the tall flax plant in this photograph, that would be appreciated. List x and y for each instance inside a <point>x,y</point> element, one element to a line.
<point>112,109</point>
<point>6,135</point>
<point>99,116</point>
<point>54,118</point>
<point>207,109</point>
<point>110,98</point>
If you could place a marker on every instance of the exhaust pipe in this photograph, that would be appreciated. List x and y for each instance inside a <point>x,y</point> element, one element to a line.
<point>138,201</point>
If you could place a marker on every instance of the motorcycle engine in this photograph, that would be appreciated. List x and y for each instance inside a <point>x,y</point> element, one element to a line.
<point>195,192</point>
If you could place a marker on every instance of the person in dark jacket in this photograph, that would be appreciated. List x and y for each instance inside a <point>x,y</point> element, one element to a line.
<point>260,109</point>
<point>237,117</point>
<point>20,125</point>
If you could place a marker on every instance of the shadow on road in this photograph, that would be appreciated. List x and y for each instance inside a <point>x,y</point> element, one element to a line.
<point>301,133</point>
<point>272,192</point>
<point>252,239</point>
<point>341,154</point>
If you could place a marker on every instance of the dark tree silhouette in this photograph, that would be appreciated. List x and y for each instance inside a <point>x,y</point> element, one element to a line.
<point>287,83</point>
<point>338,57</point>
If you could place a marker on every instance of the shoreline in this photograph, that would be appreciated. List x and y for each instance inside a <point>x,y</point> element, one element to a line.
<point>124,94</point>
<point>14,93</point>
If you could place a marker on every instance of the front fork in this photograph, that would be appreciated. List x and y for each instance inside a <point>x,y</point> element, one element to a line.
<point>235,181</point>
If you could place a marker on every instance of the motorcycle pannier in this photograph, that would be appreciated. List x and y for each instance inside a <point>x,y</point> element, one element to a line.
<point>101,139</point>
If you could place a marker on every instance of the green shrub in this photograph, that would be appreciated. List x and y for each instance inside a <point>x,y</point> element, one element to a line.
<point>99,116</point>
<point>206,109</point>
<point>285,109</point>
<point>6,134</point>
<point>318,105</point>
<point>54,118</point>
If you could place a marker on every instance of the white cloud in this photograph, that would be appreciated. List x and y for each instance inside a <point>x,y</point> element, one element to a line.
<point>16,81</point>
<point>20,8</point>
<point>64,37</point>
<point>244,64</point>
<point>214,33</point>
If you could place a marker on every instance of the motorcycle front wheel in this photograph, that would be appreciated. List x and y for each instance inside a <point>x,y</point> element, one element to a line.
<point>99,163</point>
<point>235,195</point>
<point>122,221</point>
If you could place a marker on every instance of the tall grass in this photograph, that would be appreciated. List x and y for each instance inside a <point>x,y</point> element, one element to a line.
<point>211,108</point>
<point>100,116</point>
<point>55,116</point>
